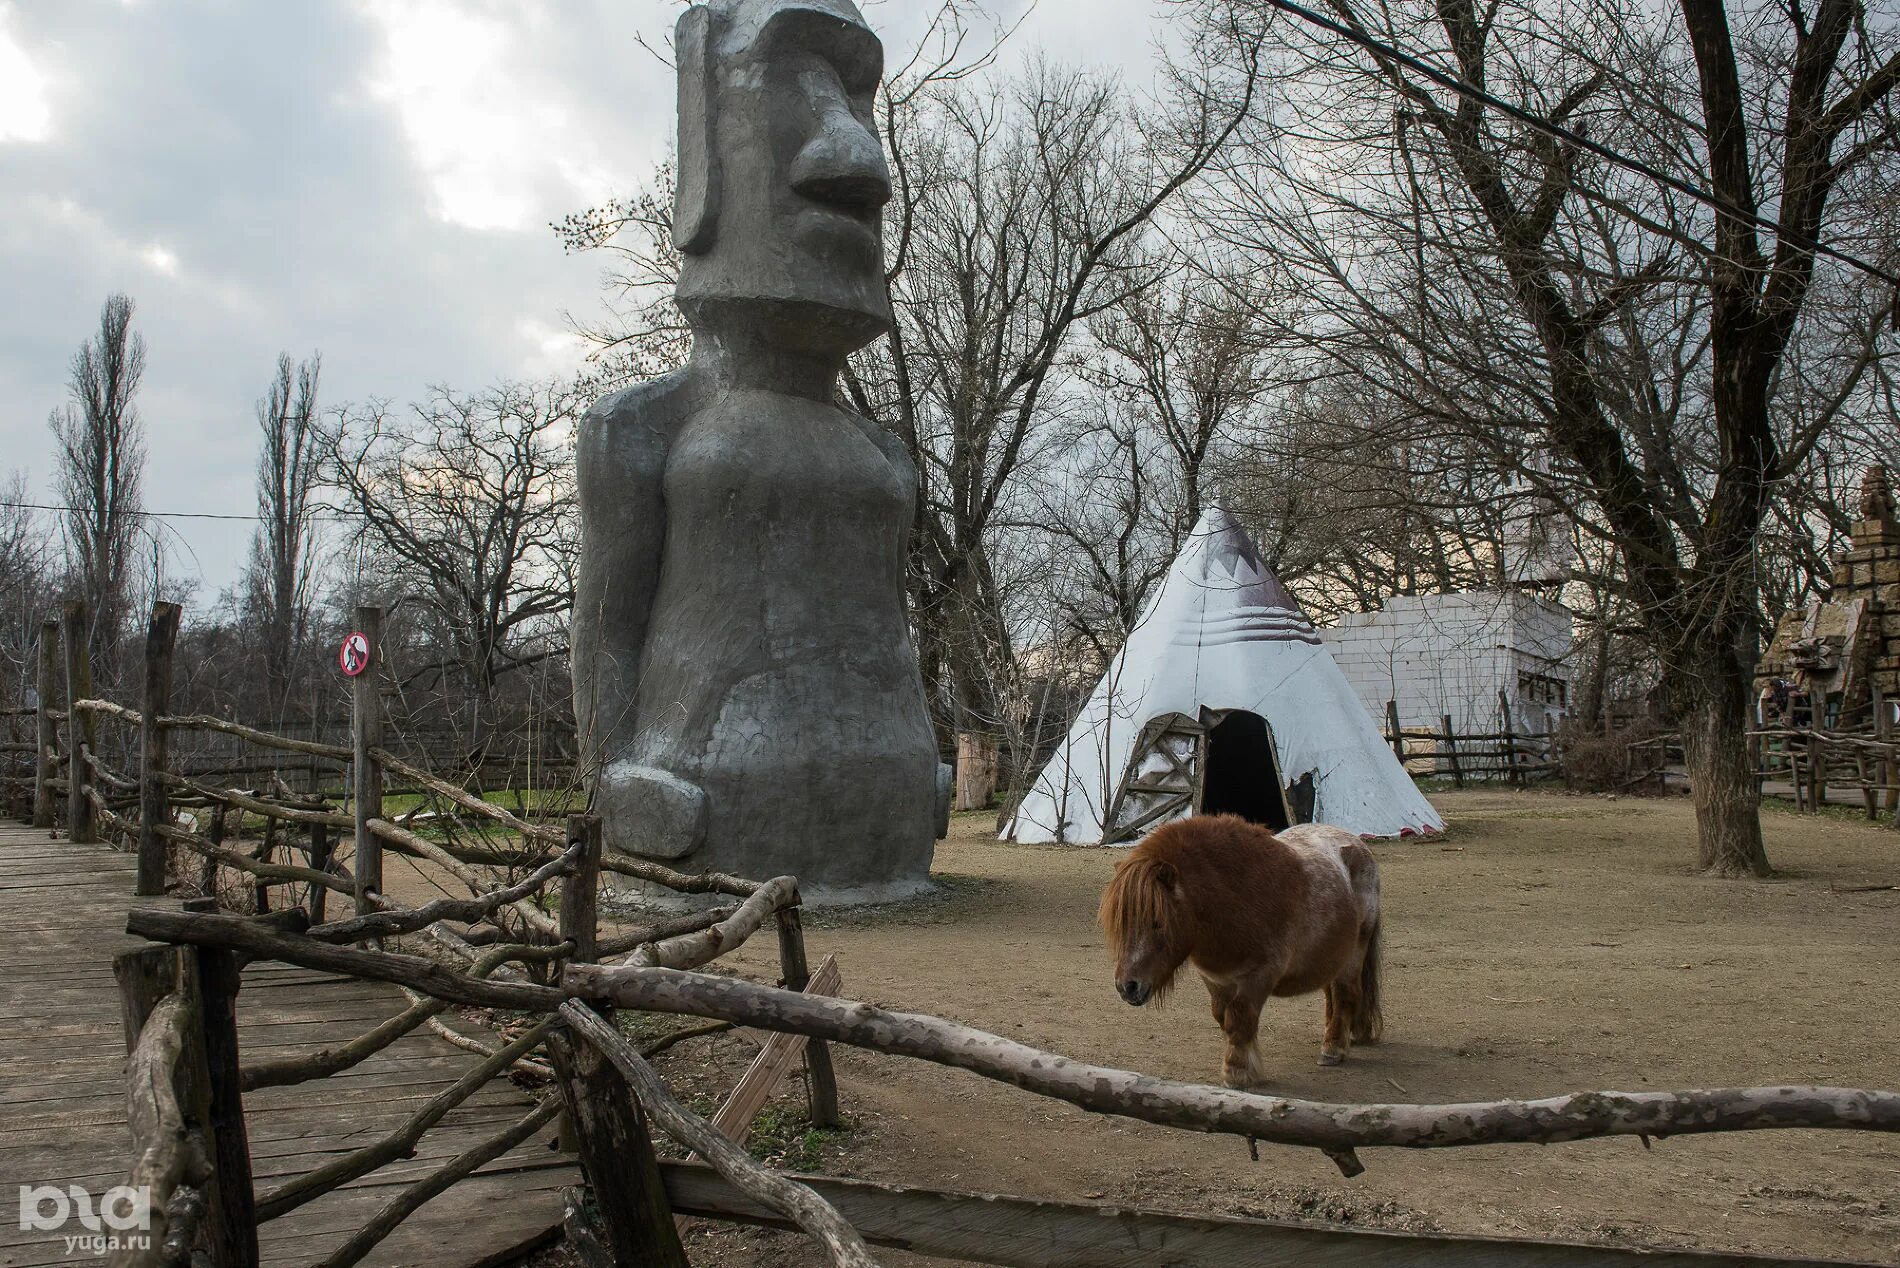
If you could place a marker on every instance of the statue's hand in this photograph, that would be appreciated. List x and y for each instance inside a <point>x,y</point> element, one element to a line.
<point>650,812</point>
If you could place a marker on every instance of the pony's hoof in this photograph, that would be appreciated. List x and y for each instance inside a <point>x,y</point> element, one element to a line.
<point>1328,1057</point>
<point>1240,1078</point>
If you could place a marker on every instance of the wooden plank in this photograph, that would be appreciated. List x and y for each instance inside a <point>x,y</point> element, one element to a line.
<point>821,1081</point>
<point>776,1058</point>
<point>1028,1233</point>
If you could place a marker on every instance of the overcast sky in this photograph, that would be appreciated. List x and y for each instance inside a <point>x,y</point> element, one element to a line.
<point>368,178</point>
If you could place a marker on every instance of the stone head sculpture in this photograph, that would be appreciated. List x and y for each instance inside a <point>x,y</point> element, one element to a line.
<point>782,181</point>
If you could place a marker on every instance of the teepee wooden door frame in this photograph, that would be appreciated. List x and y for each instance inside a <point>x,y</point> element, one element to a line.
<point>1174,789</point>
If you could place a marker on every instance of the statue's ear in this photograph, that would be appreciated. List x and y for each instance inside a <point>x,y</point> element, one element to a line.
<point>696,190</point>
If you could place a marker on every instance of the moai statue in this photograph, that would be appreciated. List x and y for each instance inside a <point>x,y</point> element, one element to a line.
<point>743,666</point>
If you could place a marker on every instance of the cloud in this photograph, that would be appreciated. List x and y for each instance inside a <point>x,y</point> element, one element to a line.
<point>495,139</point>
<point>26,108</point>
<point>370,180</point>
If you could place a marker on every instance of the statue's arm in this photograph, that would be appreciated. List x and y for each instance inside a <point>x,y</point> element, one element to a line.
<point>620,460</point>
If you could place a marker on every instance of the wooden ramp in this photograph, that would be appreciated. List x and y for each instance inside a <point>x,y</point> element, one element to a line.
<point>62,1099</point>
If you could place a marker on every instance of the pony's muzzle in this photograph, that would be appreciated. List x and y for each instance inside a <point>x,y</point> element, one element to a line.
<point>1134,992</point>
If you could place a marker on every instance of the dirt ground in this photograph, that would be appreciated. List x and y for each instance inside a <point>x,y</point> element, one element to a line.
<point>1546,944</point>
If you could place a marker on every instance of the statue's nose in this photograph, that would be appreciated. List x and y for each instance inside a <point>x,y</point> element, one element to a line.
<point>843,163</point>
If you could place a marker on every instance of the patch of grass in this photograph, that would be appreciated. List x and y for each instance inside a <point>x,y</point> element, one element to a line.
<point>644,1028</point>
<point>784,1137</point>
<point>1828,810</point>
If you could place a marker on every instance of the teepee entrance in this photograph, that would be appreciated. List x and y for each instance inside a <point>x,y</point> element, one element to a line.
<point>1242,773</point>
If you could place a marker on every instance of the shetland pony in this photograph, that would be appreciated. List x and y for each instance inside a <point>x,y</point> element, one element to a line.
<point>1257,914</point>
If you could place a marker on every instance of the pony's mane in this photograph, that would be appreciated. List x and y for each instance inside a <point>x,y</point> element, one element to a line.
<point>1141,896</point>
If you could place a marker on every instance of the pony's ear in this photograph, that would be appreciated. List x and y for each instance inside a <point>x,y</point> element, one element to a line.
<point>1166,878</point>
<point>696,187</point>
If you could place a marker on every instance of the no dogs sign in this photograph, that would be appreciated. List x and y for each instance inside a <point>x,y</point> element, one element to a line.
<point>354,657</point>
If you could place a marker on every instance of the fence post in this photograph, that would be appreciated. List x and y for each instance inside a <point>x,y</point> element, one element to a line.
<point>1451,754</point>
<point>580,890</point>
<point>1817,772</point>
<point>154,703</point>
<point>266,852</point>
<point>1396,735</point>
<point>1884,769</point>
<point>80,739</point>
<point>233,1199</point>
<point>1509,738</point>
<point>214,832</point>
<point>366,709</point>
<point>320,853</point>
<point>821,1081</point>
<point>46,769</point>
<point>207,1081</point>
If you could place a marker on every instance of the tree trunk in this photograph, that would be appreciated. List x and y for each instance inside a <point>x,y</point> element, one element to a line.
<point>1713,709</point>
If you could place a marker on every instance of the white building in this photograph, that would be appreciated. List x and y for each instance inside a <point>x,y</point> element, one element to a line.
<point>1452,654</point>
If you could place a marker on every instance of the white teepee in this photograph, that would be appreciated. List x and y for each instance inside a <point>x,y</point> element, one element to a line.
<point>1223,698</point>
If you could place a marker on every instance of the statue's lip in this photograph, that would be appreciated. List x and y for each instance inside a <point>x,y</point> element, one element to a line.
<point>847,229</point>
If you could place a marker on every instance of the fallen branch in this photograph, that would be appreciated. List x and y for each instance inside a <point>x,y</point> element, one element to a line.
<point>438,1182</point>
<point>394,921</point>
<point>813,1214</point>
<point>325,1062</point>
<point>400,1143</point>
<point>691,950</point>
<point>409,843</point>
<point>261,942</point>
<point>257,805</point>
<point>656,874</point>
<point>1312,1124</point>
<point>204,722</point>
<point>621,943</point>
<point>109,709</point>
<point>465,799</point>
<point>245,863</point>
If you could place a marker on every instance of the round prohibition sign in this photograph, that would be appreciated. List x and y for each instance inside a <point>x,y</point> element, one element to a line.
<point>354,655</point>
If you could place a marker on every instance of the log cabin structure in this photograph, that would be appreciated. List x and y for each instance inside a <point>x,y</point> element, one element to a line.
<point>1836,662</point>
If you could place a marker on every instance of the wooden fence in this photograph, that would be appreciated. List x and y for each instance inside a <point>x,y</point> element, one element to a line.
<point>1506,754</point>
<point>527,943</point>
<point>1815,762</point>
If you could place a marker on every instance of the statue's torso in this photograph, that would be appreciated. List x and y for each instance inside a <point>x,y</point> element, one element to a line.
<point>778,672</point>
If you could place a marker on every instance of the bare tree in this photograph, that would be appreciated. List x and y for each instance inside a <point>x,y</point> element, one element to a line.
<point>1524,290</point>
<point>101,462</point>
<point>465,508</point>
<point>1023,211</point>
<point>283,550</point>
<point>26,585</point>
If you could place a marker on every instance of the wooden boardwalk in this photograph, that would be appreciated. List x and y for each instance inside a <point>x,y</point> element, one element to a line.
<point>62,1099</point>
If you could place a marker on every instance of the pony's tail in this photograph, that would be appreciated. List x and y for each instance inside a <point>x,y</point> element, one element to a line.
<point>1368,1023</point>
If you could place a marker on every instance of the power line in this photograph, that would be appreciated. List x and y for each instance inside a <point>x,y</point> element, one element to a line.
<point>1464,88</point>
<point>159,515</point>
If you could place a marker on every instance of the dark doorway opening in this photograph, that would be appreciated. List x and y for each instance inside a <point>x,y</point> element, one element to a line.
<point>1241,777</point>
